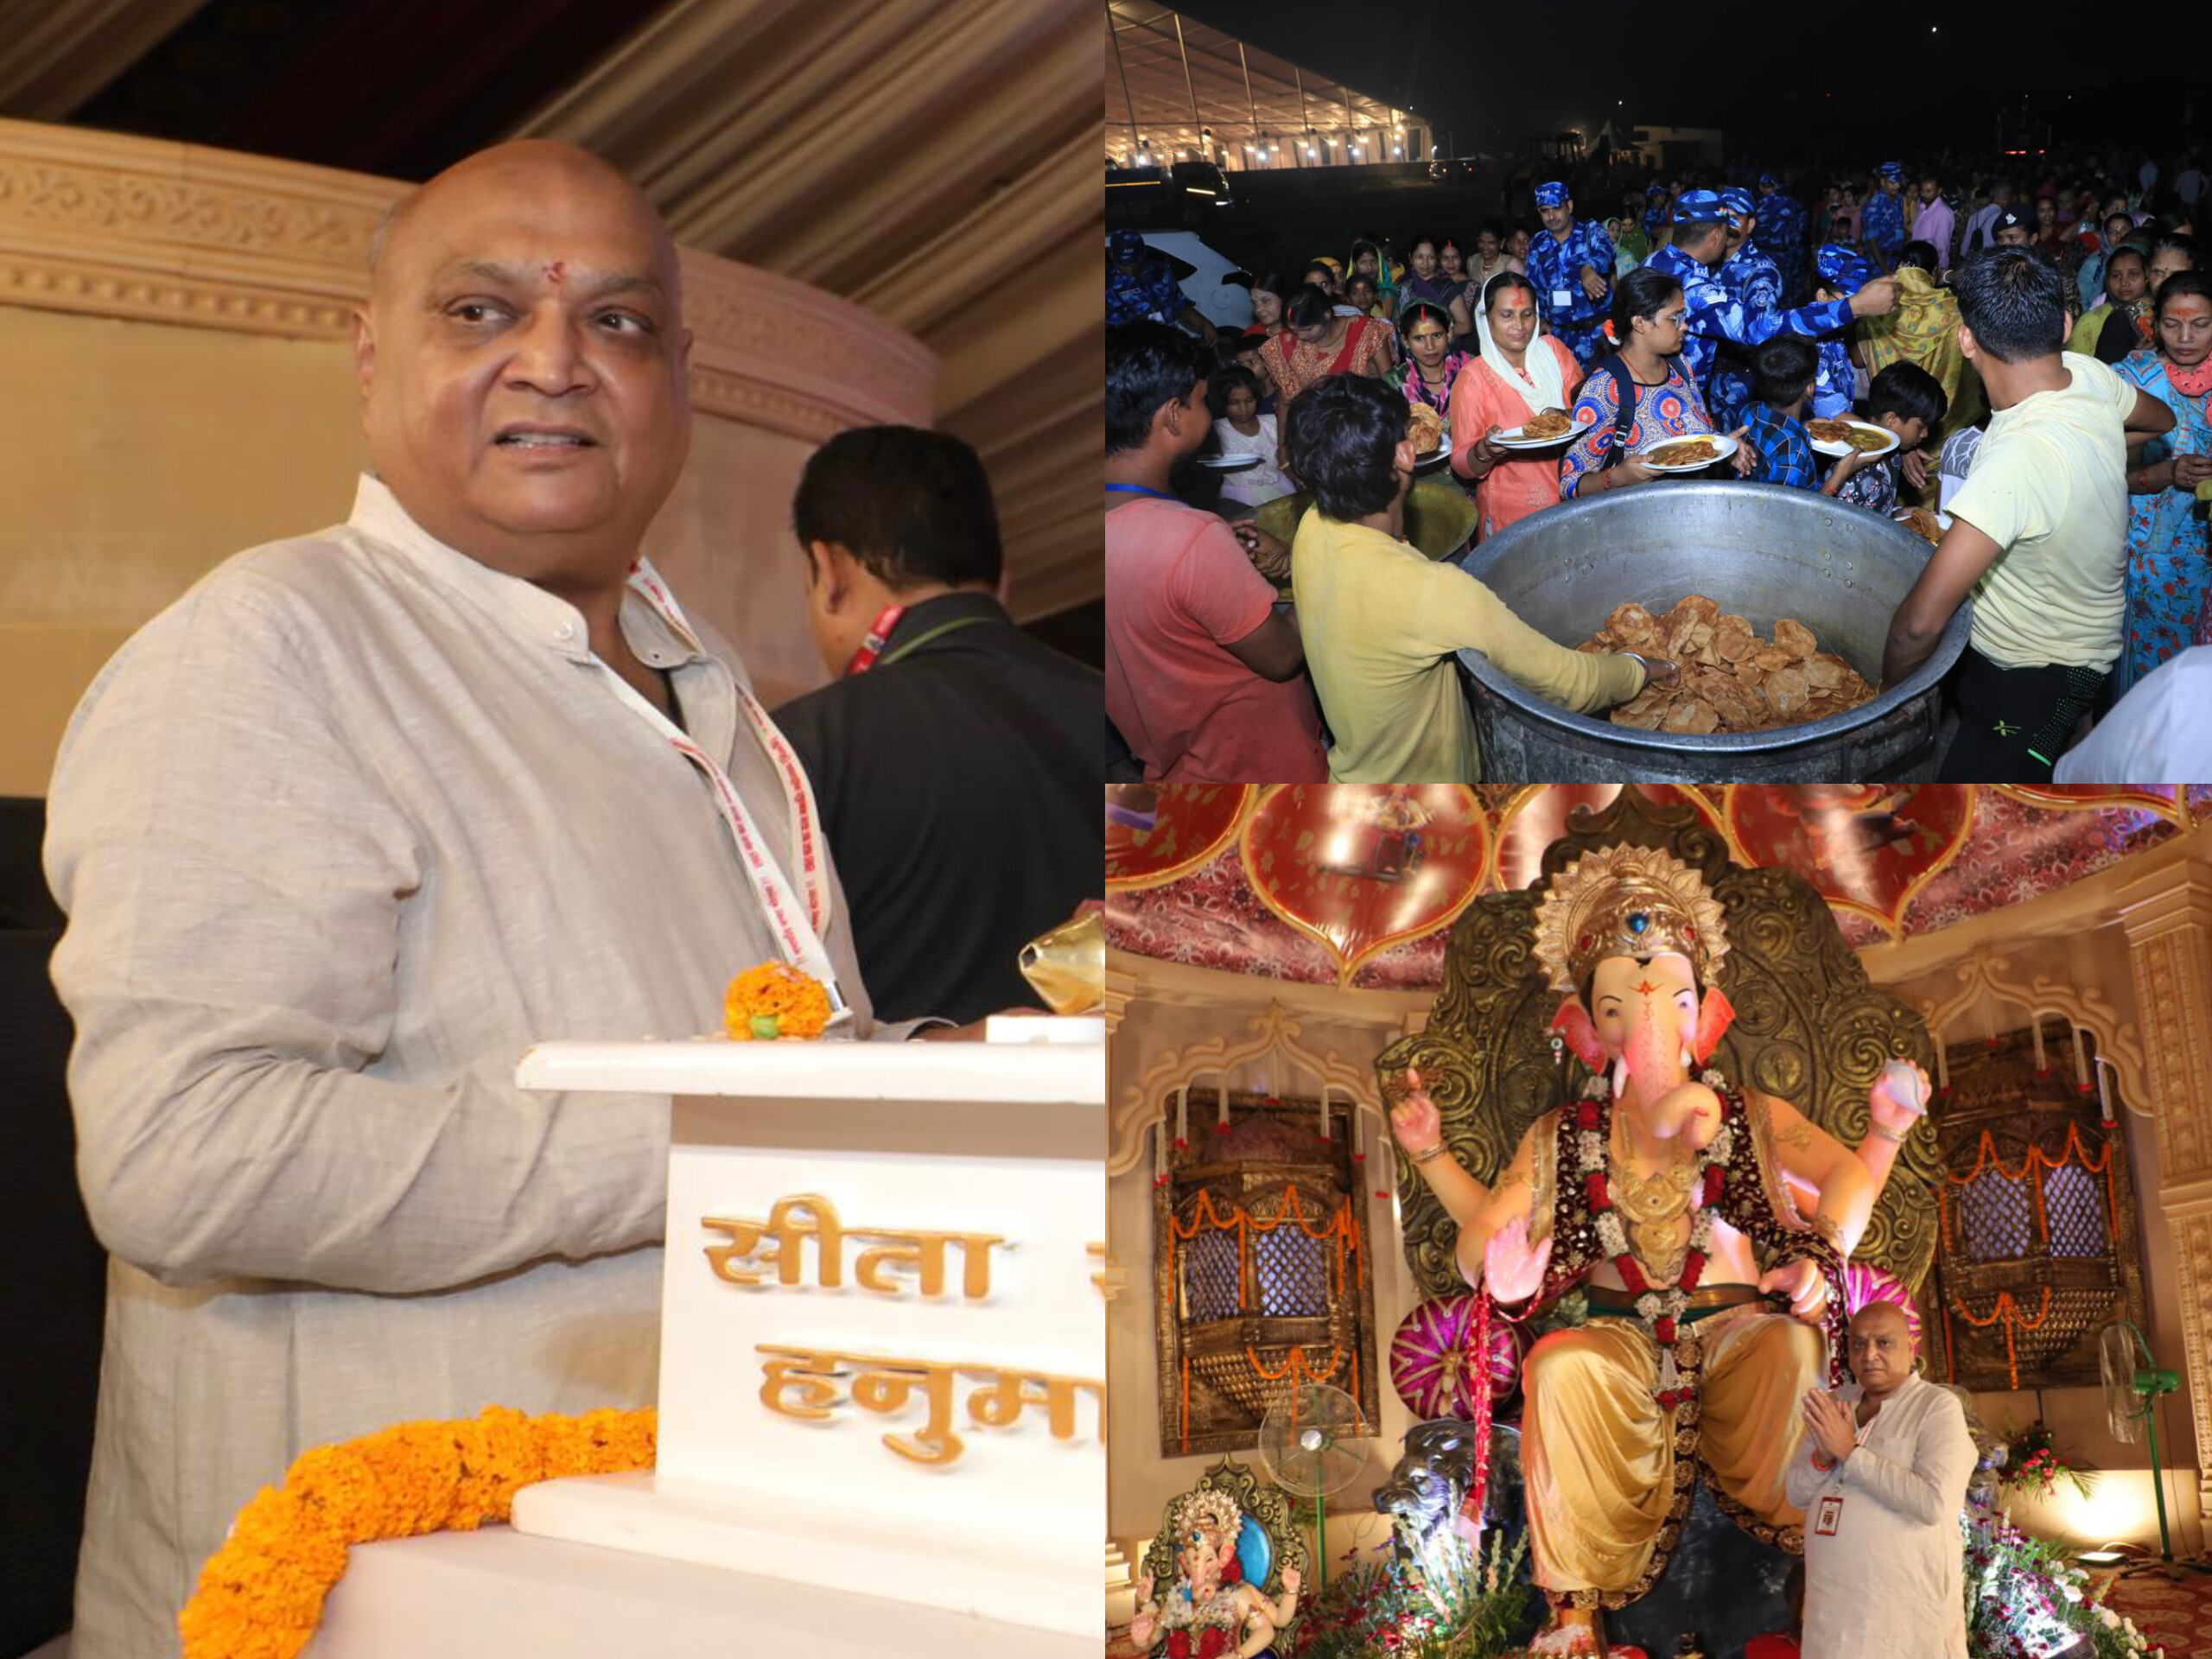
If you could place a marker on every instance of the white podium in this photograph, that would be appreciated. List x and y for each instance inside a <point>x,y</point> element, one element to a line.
<point>882,1342</point>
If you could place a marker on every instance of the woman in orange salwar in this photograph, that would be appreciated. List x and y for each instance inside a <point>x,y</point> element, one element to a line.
<point>1519,374</point>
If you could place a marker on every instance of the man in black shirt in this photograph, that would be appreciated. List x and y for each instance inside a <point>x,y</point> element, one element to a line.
<point>956,762</point>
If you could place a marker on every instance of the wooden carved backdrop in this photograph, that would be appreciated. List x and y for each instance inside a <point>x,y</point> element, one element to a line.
<point>2040,1248</point>
<point>1810,1029</point>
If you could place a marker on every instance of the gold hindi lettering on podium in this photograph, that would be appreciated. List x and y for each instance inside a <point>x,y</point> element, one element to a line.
<point>892,1253</point>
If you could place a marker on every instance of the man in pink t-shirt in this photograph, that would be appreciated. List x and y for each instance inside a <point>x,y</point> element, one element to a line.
<point>1205,678</point>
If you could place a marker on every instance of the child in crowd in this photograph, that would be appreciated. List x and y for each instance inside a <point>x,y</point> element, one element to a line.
<point>1245,352</point>
<point>1233,397</point>
<point>1360,292</point>
<point>1910,401</point>
<point>1782,380</point>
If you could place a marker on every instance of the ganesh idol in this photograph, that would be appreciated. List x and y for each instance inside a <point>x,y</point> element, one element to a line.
<point>1707,1223</point>
<point>1211,1612</point>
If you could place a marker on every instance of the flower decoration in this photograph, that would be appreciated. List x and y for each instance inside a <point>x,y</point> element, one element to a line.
<point>774,1000</point>
<point>261,1595</point>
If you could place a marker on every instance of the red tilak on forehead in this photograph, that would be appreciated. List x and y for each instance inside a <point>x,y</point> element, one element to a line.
<point>558,272</point>
<point>1646,988</point>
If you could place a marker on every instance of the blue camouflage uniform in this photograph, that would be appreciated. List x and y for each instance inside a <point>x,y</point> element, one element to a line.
<point>1555,270</point>
<point>1149,293</point>
<point>1713,315</point>
<point>1781,237</point>
<point>1754,281</point>
<point>1844,270</point>
<point>1884,218</point>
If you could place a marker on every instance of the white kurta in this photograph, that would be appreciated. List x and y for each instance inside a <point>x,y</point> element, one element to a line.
<point>340,834</point>
<point>1888,1582</point>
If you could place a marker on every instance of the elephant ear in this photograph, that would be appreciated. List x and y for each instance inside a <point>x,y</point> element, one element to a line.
<point>1716,1013</point>
<point>1573,1022</point>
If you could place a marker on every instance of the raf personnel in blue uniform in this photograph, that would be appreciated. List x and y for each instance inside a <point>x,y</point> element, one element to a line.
<point>1713,317</point>
<point>1781,235</point>
<point>1884,217</point>
<point>1140,287</point>
<point>1572,267</point>
<point>1843,271</point>
<point>1756,283</point>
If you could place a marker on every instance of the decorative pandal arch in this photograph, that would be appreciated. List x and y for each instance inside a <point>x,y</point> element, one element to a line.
<point>1274,1043</point>
<point>2084,1007</point>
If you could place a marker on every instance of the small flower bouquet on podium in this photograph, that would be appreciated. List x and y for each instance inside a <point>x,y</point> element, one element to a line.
<point>772,1001</point>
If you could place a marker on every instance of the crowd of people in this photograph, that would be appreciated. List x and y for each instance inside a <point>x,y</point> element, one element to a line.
<point>2040,348</point>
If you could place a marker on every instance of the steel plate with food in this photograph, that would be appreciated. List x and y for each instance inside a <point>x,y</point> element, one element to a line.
<point>1689,454</point>
<point>1731,679</point>
<point>1841,437</point>
<point>1541,433</point>
<point>1922,522</point>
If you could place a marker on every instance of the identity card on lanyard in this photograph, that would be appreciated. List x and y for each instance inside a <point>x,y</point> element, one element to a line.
<point>798,925</point>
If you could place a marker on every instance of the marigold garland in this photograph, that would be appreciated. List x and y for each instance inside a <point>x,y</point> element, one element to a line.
<point>261,1595</point>
<point>775,1000</point>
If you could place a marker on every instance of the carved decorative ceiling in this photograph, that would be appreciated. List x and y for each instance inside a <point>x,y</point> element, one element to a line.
<point>1303,882</point>
<point>935,163</point>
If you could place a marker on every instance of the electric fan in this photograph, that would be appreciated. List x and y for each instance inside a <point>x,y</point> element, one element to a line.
<point>1301,1442</point>
<point>2132,1394</point>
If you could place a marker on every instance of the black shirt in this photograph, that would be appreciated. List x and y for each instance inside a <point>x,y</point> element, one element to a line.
<point>959,787</point>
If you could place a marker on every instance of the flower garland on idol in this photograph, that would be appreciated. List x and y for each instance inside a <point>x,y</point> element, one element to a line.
<point>1660,1307</point>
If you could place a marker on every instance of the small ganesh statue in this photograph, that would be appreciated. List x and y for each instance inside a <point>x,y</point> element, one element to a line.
<point>1213,1611</point>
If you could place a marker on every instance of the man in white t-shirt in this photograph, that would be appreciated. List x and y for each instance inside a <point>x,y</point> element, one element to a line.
<point>2038,530</point>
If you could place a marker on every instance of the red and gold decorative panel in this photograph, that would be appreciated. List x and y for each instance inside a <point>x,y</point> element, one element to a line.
<point>1867,849</point>
<point>1362,867</point>
<point>1342,896</point>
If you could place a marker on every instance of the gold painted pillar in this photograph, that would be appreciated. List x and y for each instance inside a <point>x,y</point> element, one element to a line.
<point>2168,919</point>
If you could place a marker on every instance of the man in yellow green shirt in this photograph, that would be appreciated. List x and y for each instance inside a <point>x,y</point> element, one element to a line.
<point>1381,622</point>
<point>2038,530</point>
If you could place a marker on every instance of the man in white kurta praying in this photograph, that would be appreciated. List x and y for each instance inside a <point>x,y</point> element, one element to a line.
<point>355,821</point>
<point>1882,1477</point>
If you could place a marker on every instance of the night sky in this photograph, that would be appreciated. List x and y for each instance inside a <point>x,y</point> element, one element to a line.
<point>1804,77</point>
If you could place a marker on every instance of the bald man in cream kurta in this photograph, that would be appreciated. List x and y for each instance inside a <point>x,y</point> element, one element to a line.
<point>339,835</point>
<point>1882,1544</point>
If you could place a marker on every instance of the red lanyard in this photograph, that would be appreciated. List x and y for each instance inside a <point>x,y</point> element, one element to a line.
<point>798,920</point>
<point>878,632</point>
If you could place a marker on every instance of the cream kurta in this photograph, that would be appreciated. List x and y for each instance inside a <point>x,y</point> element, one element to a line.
<point>340,834</point>
<point>1888,1582</point>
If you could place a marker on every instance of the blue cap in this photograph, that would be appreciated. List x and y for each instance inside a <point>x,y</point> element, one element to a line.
<point>1124,246</point>
<point>1891,170</point>
<point>1653,192</point>
<point>1841,269</point>
<point>1766,179</point>
<point>1699,207</point>
<point>1551,195</point>
<point>1737,200</point>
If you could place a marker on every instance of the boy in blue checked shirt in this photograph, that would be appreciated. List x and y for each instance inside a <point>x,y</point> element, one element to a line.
<point>1776,423</point>
<point>1910,401</point>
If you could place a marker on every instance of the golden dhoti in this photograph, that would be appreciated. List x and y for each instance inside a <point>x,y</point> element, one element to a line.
<point>1599,1455</point>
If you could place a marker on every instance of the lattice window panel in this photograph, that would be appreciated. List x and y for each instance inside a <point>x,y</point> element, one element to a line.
<point>2074,1205</point>
<point>1993,1219</point>
<point>1210,1277</point>
<point>1291,1272</point>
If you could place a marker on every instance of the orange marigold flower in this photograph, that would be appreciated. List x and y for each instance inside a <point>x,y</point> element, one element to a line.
<point>775,1000</point>
<point>261,1596</point>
